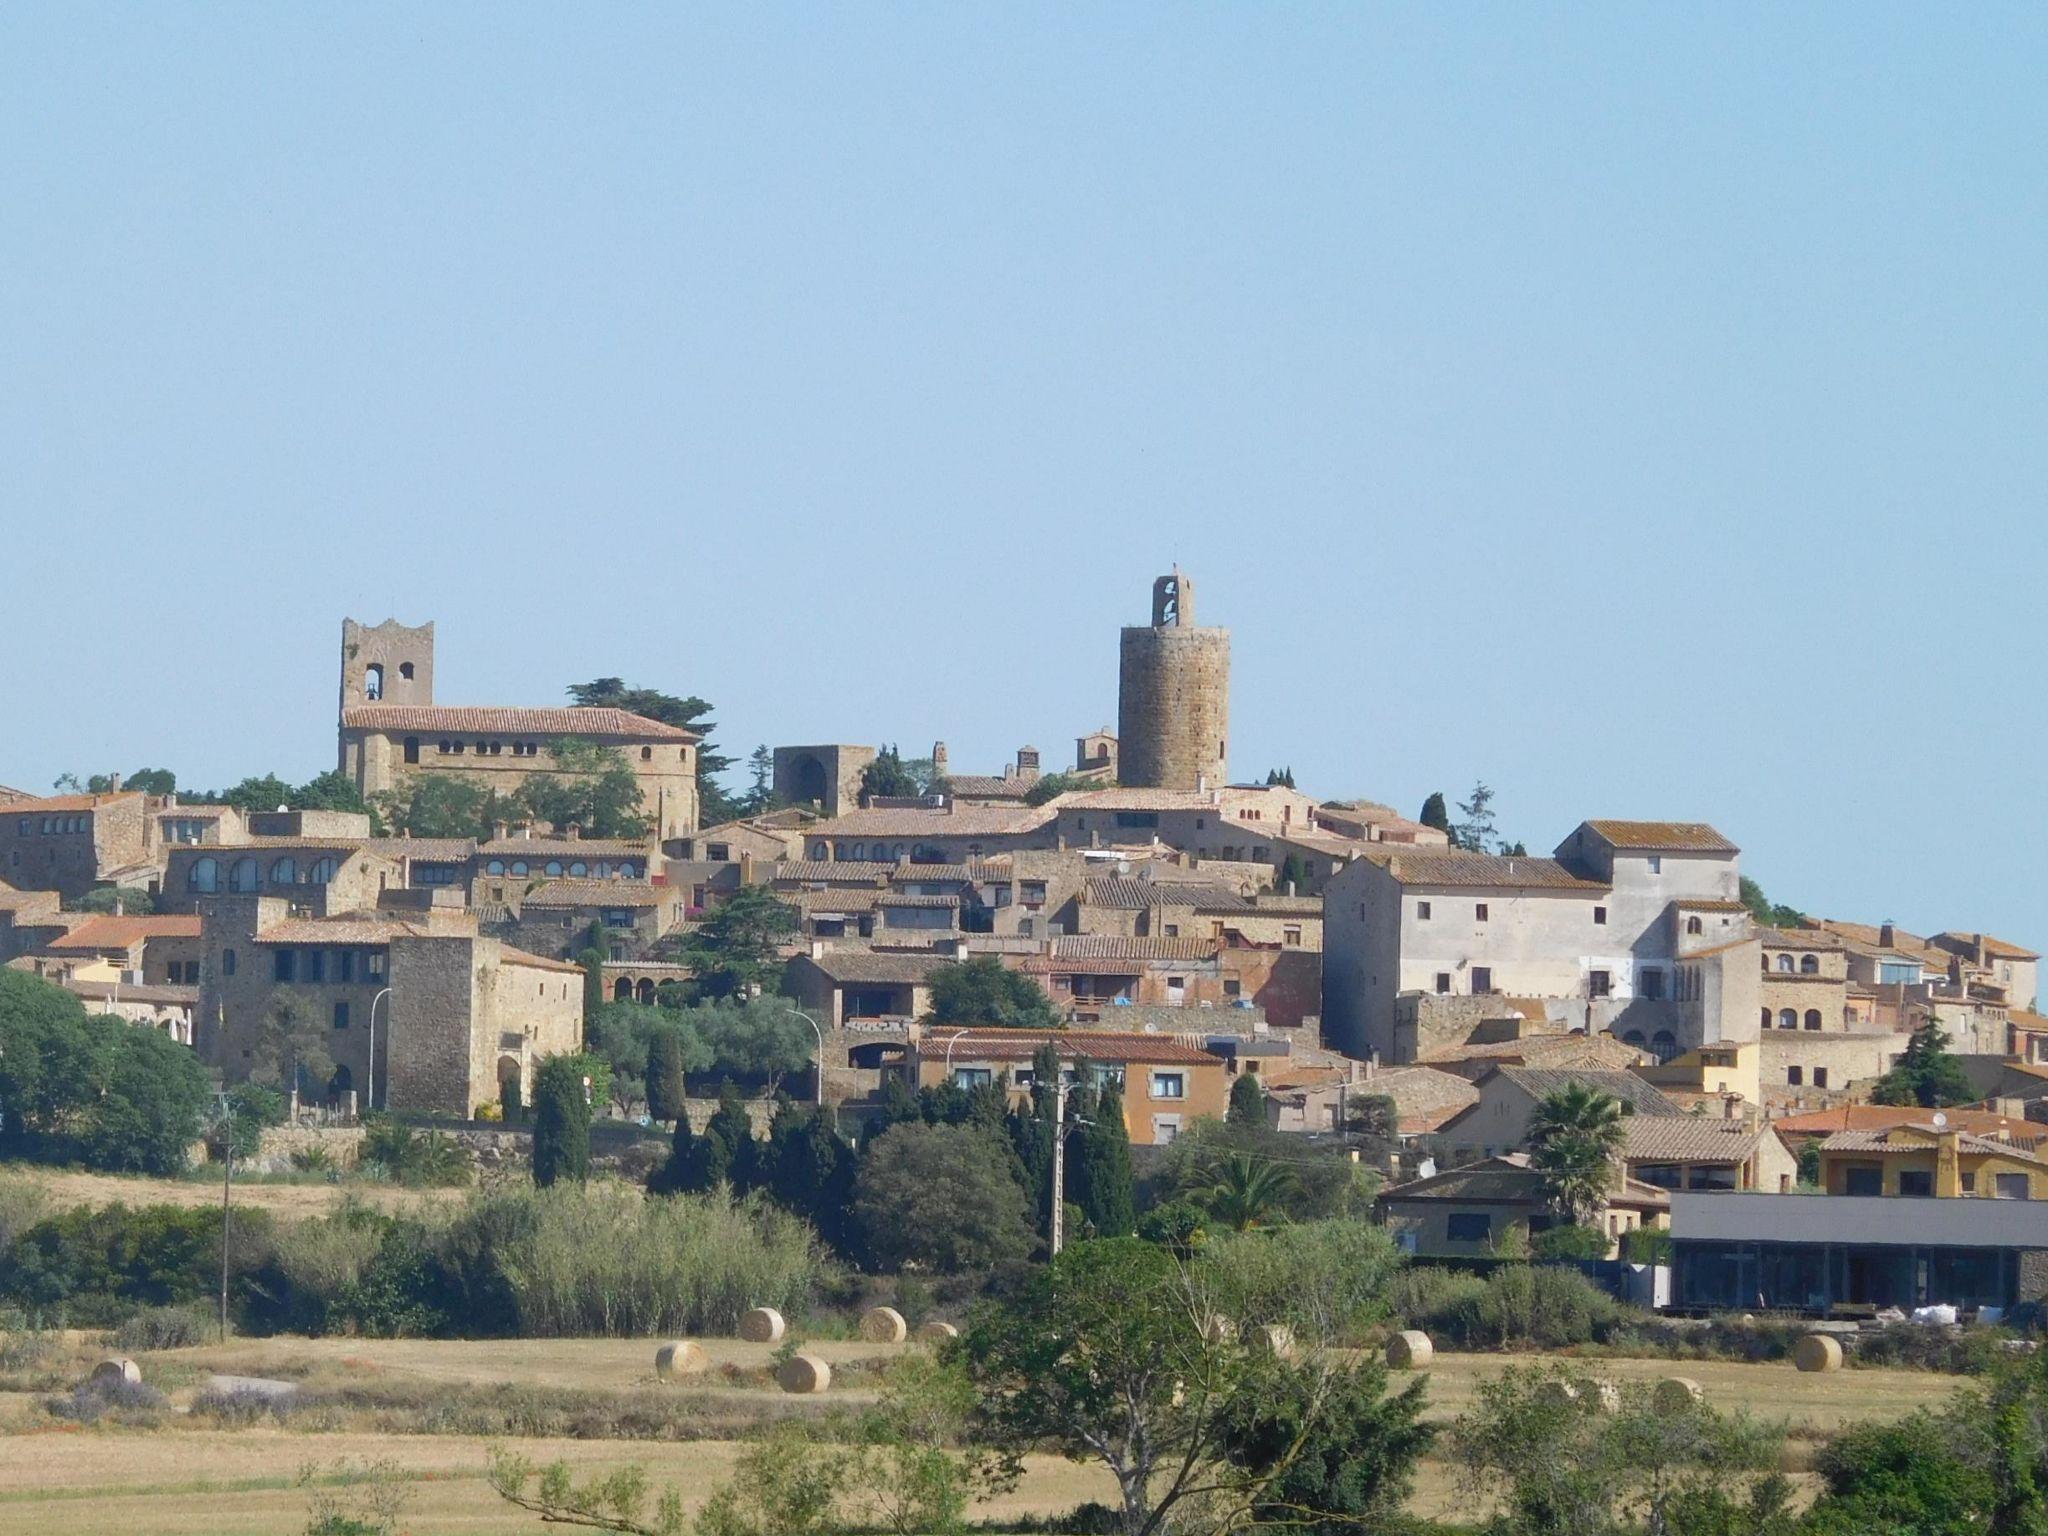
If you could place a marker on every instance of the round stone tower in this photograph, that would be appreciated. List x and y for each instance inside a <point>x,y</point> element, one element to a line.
<point>1173,696</point>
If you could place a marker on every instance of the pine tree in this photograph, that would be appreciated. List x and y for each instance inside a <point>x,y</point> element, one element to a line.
<point>1475,833</point>
<point>666,1090</point>
<point>1247,1101</point>
<point>1104,1187</point>
<point>561,1123</point>
<point>726,1149</point>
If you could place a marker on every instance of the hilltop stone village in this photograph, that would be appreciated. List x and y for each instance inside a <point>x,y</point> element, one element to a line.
<point>1191,932</point>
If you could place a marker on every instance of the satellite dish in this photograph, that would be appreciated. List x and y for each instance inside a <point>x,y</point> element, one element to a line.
<point>1940,1121</point>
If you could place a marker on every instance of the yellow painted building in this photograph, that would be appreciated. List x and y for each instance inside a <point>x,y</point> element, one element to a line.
<point>1929,1160</point>
<point>1720,1069</point>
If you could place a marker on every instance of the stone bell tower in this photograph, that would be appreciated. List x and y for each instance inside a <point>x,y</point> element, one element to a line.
<point>1173,696</point>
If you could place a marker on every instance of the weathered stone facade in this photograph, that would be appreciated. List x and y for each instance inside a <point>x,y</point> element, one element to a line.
<point>824,777</point>
<point>70,843</point>
<point>1173,696</point>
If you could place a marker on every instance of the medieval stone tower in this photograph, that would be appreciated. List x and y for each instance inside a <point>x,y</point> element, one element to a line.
<point>1173,696</point>
<point>386,663</point>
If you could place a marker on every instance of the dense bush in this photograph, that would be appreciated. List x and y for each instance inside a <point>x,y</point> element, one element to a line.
<point>1326,1279</point>
<point>126,1402</point>
<point>1518,1306</point>
<point>168,1328</point>
<point>417,1159</point>
<point>97,1267</point>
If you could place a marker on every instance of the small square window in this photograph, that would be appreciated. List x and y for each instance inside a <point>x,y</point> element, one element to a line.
<point>1656,864</point>
<point>1443,981</point>
<point>1479,911</point>
<point>1600,916</point>
<point>1421,911</point>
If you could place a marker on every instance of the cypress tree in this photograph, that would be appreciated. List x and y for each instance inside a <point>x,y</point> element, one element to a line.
<point>1435,813</point>
<point>666,1091</point>
<point>509,1100</point>
<point>561,1123</point>
<point>1105,1189</point>
<point>726,1149</point>
<point>592,961</point>
<point>673,1176</point>
<point>1247,1101</point>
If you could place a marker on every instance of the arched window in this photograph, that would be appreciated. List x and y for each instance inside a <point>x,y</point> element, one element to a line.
<point>244,876</point>
<point>321,872</point>
<point>579,869</point>
<point>554,869</point>
<point>622,990</point>
<point>1663,1045</point>
<point>519,869</point>
<point>203,876</point>
<point>1809,965</point>
<point>1633,1037</point>
<point>1693,925</point>
<point>1787,1019</point>
<point>284,871</point>
<point>495,867</point>
<point>629,871</point>
<point>1813,1018</point>
<point>405,670</point>
<point>858,852</point>
<point>1785,963</point>
<point>1767,1018</point>
<point>647,754</point>
<point>647,991</point>
<point>373,682</point>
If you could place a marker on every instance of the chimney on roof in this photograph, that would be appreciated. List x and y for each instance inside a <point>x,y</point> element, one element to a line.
<point>1887,935</point>
<point>940,761</point>
<point>817,949</point>
<point>573,831</point>
<point>498,830</point>
<point>1027,762</point>
<point>113,783</point>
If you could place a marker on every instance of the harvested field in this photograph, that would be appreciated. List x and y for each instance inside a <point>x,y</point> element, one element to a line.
<point>67,1187</point>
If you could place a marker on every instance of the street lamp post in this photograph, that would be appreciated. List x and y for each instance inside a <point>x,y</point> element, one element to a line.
<point>370,1090</point>
<point>820,1033</point>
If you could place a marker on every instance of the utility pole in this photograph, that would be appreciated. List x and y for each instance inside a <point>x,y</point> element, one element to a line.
<point>1059,1164</point>
<point>227,1185</point>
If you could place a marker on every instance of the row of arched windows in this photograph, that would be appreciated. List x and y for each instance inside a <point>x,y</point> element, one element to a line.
<point>1809,965</point>
<point>575,869</point>
<point>54,824</point>
<point>1788,1018</point>
<point>1663,1044</point>
<point>245,874</point>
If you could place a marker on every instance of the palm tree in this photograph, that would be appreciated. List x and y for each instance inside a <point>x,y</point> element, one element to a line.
<point>1575,1140</point>
<point>1247,1192</point>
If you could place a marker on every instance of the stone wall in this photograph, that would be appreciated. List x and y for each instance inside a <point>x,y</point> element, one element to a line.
<point>1173,708</point>
<point>343,1145</point>
<point>1846,1058</point>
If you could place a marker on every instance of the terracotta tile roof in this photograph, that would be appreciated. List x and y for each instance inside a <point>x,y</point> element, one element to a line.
<point>2023,1018</point>
<point>110,932</point>
<point>1667,836</point>
<point>598,893</point>
<point>531,961</point>
<point>838,899</point>
<point>1799,938</point>
<point>438,850</point>
<point>1722,949</point>
<point>1073,1045</point>
<point>1997,949</point>
<point>1880,1142</point>
<point>837,872</point>
<point>1704,904</point>
<point>953,821</point>
<point>1122,893</point>
<point>130,992</point>
<point>1689,1139</point>
<point>1633,1091</point>
<point>1270,905</point>
<point>1596,1052</point>
<point>354,928</point>
<point>988,786</point>
<point>197,812</point>
<point>1132,799</point>
<point>1880,1117</point>
<point>597,724</point>
<point>867,965</point>
<point>903,899</point>
<point>65,803</point>
<point>1454,867</point>
<point>12,900</point>
<point>1870,940</point>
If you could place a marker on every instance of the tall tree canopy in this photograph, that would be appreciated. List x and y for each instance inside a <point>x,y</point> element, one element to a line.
<point>984,991</point>
<point>738,946</point>
<point>686,713</point>
<point>1926,1074</point>
<point>592,787</point>
<point>1575,1138</point>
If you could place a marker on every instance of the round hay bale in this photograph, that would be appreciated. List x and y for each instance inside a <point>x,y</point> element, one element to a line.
<point>1275,1339</point>
<point>1218,1329</point>
<point>1817,1352</point>
<point>763,1325</point>
<point>937,1333</point>
<point>680,1357</point>
<point>117,1371</point>
<point>1410,1350</point>
<point>1675,1394</point>
<point>803,1374</point>
<point>883,1325</point>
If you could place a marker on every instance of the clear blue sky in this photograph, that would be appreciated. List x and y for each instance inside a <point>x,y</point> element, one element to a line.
<point>1642,407</point>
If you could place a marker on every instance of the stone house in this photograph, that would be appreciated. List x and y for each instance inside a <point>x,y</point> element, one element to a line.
<point>1508,1098</point>
<point>1637,924</point>
<point>552,918</point>
<point>1930,1159</point>
<point>1730,1151</point>
<point>945,833</point>
<point>845,985</point>
<point>321,875</point>
<point>390,728</point>
<point>1496,1206</point>
<point>71,843</point>
<point>1805,980</point>
<point>454,1014</point>
<point>161,951</point>
<point>30,920</point>
<point>765,839</point>
<point>1166,1083</point>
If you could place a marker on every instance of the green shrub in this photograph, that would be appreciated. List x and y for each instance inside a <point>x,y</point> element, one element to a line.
<point>96,1267</point>
<point>416,1159</point>
<point>168,1328</point>
<point>1319,1276</point>
<point>1542,1306</point>
<point>1569,1244</point>
<point>1647,1245</point>
<point>1441,1302</point>
<point>126,1402</point>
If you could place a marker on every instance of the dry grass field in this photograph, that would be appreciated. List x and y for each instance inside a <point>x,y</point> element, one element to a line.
<point>178,1479</point>
<point>66,1187</point>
